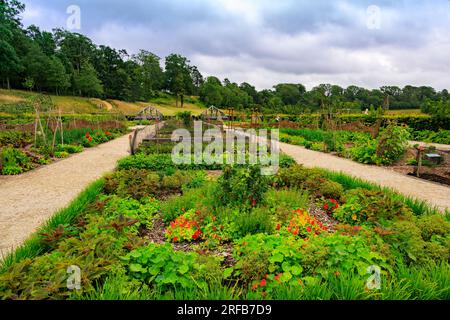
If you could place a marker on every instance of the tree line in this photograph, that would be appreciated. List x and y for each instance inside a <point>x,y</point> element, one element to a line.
<point>64,62</point>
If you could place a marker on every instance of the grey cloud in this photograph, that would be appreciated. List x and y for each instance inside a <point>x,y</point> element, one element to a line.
<point>300,41</point>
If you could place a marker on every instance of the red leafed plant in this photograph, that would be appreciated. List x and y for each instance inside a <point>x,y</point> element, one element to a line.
<point>184,228</point>
<point>303,224</point>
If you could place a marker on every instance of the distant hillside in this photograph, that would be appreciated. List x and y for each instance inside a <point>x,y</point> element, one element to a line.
<point>17,102</point>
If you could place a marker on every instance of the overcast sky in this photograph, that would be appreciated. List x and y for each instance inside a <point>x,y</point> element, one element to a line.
<point>265,42</point>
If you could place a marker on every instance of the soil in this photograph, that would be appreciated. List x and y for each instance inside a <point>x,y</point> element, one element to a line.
<point>323,217</point>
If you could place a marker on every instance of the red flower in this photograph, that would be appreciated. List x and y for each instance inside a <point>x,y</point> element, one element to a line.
<point>89,139</point>
<point>175,239</point>
<point>278,227</point>
<point>309,229</point>
<point>196,235</point>
<point>325,206</point>
<point>87,134</point>
<point>263,283</point>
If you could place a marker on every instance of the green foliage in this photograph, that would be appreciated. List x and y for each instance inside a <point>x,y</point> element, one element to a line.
<point>142,211</point>
<point>258,220</point>
<point>441,136</point>
<point>13,161</point>
<point>361,206</point>
<point>312,180</point>
<point>392,144</point>
<point>185,116</point>
<point>16,139</point>
<point>258,255</point>
<point>135,183</point>
<point>61,154</point>
<point>46,276</point>
<point>406,238</point>
<point>141,183</point>
<point>191,199</point>
<point>281,203</point>
<point>71,149</point>
<point>241,187</point>
<point>161,266</point>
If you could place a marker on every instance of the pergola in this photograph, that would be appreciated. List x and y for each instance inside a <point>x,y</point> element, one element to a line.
<point>213,113</point>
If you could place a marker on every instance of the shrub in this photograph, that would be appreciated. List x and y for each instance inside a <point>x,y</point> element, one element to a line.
<point>363,152</point>
<point>241,187</point>
<point>392,144</point>
<point>330,189</point>
<point>432,226</point>
<point>314,180</point>
<point>45,277</point>
<point>362,205</point>
<point>176,180</point>
<point>406,239</point>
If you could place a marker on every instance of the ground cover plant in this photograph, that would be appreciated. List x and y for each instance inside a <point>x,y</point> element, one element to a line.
<point>168,232</point>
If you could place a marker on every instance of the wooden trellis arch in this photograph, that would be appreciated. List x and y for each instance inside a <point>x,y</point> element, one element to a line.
<point>213,114</point>
<point>149,113</point>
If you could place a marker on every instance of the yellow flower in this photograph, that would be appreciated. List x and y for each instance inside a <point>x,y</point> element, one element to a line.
<point>354,217</point>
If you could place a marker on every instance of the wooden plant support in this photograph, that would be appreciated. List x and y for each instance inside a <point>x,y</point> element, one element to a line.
<point>420,151</point>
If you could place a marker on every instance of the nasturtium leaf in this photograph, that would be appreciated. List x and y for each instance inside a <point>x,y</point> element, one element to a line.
<point>296,270</point>
<point>227,272</point>
<point>278,257</point>
<point>183,269</point>
<point>135,254</point>
<point>134,267</point>
<point>286,266</point>
<point>286,277</point>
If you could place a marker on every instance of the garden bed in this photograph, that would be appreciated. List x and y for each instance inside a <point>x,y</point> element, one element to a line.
<point>391,149</point>
<point>163,231</point>
<point>20,151</point>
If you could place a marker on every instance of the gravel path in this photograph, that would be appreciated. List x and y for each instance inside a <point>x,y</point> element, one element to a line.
<point>436,194</point>
<point>28,200</point>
